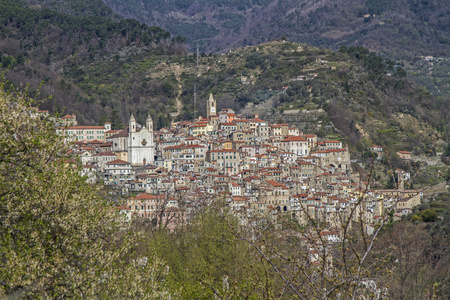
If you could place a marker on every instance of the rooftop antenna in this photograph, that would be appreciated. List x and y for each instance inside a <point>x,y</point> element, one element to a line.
<point>197,56</point>
<point>195,87</point>
<point>195,95</point>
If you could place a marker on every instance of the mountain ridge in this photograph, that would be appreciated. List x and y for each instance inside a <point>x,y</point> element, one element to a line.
<point>401,28</point>
<point>113,74</point>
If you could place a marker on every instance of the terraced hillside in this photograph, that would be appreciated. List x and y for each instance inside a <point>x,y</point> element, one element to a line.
<point>103,69</point>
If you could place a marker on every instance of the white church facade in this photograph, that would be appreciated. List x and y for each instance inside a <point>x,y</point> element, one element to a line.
<point>141,148</point>
<point>137,141</point>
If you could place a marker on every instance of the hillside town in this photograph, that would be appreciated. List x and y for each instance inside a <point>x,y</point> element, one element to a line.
<point>259,169</point>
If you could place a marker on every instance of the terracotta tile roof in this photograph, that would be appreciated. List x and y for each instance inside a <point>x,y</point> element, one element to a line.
<point>121,133</point>
<point>294,139</point>
<point>276,184</point>
<point>95,142</point>
<point>112,131</point>
<point>118,162</point>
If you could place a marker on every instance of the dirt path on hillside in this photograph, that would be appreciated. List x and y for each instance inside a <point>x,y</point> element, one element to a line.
<point>178,104</point>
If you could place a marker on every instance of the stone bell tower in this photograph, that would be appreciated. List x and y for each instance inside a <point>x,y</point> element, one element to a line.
<point>211,107</point>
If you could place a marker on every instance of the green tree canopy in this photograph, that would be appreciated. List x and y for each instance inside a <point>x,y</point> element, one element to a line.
<point>58,237</point>
<point>116,122</point>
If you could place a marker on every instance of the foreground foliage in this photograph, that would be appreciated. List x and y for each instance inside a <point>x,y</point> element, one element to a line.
<point>58,237</point>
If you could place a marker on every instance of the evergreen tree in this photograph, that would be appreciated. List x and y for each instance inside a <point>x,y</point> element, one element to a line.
<point>390,184</point>
<point>447,150</point>
<point>116,122</point>
<point>103,119</point>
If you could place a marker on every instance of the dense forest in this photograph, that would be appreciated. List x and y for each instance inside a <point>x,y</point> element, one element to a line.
<point>77,8</point>
<point>105,69</point>
<point>39,45</point>
<point>397,27</point>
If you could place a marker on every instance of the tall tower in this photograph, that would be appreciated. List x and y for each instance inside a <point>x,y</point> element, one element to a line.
<point>211,108</point>
<point>132,124</point>
<point>149,123</point>
<point>401,180</point>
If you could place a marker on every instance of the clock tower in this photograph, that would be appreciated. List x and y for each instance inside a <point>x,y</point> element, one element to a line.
<point>211,107</point>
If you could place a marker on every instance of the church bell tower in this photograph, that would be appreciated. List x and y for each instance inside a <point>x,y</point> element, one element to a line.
<point>211,108</point>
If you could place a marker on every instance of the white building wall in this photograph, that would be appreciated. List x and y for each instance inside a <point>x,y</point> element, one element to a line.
<point>141,147</point>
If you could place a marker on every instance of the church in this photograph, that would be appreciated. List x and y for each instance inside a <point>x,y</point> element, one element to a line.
<point>135,144</point>
<point>141,148</point>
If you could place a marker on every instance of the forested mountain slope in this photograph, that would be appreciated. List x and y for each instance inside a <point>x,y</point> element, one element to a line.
<point>41,45</point>
<point>76,8</point>
<point>401,28</point>
<point>405,30</point>
<point>103,69</point>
